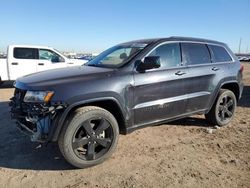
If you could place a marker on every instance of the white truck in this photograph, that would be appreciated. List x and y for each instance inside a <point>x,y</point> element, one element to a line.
<point>26,59</point>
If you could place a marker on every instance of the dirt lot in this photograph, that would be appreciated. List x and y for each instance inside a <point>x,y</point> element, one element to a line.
<point>178,154</point>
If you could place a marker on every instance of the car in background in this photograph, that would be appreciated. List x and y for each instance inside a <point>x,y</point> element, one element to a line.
<point>243,57</point>
<point>26,59</point>
<point>87,58</point>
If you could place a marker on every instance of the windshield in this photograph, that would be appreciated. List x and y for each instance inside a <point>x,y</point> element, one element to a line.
<point>116,56</point>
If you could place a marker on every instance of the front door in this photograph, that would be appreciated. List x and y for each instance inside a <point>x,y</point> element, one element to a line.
<point>49,59</point>
<point>160,93</point>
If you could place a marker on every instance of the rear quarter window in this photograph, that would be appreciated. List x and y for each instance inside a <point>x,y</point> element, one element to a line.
<point>25,53</point>
<point>195,53</point>
<point>219,54</point>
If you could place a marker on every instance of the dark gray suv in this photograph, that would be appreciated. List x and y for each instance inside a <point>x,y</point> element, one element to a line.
<point>128,86</point>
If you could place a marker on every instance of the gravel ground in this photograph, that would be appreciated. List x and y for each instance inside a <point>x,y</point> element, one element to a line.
<point>178,154</point>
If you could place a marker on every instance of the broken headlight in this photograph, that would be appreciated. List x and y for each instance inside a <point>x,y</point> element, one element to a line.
<point>38,96</point>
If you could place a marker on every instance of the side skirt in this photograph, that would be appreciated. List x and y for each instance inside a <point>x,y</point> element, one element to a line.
<point>158,122</point>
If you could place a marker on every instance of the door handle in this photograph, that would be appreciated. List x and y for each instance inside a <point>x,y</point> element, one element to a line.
<point>215,69</point>
<point>70,63</point>
<point>40,63</point>
<point>14,63</point>
<point>179,73</point>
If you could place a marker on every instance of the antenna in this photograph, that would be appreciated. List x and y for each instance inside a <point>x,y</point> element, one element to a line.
<point>239,45</point>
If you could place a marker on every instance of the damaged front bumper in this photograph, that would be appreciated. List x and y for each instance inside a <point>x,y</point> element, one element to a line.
<point>34,119</point>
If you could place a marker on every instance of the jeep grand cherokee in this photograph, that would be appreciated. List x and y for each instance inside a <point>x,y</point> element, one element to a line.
<point>128,86</point>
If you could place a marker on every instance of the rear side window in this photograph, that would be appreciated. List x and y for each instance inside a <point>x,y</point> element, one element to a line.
<point>25,53</point>
<point>219,54</point>
<point>169,55</point>
<point>195,53</point>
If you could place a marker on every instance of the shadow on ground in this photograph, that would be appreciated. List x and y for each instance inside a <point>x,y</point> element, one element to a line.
<point>244,101</point>
<point>191,121</point>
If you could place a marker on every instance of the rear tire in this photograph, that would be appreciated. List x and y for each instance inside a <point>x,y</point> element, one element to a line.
<point>89,137</point>
<point>223,109</point>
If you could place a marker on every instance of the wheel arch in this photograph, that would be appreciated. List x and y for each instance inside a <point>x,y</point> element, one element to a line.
<point>109,103</point>
<point>230,85</point>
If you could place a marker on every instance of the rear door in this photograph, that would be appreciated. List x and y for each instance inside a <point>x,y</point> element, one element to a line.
<point>22,61</point>
<point>201,75</point>
<point>49,59</point>
<point>160,93</point>
<point>221,65</point>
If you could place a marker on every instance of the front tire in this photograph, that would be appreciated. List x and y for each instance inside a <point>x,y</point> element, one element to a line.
<point>223,109</point>
<point>90,137</point>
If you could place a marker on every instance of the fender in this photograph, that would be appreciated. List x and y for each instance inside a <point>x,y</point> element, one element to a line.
<point>218,90</point>
<point>57,126</point>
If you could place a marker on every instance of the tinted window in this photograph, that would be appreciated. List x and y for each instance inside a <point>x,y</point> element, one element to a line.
<point>169,55</point>
<point>25,53</point>
<point>195,53</point>
<point>220,54</point>
<point>50,55</point>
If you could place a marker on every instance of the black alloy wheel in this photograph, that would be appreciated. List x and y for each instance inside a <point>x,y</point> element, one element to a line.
<point>89,137</point>
<point>223,110</point>
<point>226,108</point>
<point>92,139</point>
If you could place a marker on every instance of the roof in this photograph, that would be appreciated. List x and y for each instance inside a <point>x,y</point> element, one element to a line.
<point>173,38</point>
<point>29,46</point>
<point>177,38</point>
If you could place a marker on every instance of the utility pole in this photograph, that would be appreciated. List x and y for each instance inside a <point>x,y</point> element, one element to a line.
<point>239,45</point>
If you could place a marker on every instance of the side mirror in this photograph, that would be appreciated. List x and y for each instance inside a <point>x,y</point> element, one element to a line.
<point>55,59</point>
<point>150,62</point>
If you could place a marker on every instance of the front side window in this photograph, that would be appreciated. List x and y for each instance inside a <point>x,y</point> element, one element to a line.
<point>49,55</point>
<point>219,54</point>
<point>116,56</point>
<point>25,53</point>
<point>169,55</point>
<point>195,53</point>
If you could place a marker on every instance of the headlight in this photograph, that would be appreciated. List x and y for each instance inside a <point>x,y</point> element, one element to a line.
<point>38,96</point>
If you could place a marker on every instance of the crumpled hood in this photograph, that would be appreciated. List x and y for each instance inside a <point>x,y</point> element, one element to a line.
<point>60,76</point>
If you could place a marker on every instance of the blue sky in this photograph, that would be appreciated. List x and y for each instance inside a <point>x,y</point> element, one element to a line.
<point>94,25</point>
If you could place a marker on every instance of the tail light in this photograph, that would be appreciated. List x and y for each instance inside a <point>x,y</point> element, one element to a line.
<point>241,68</point>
